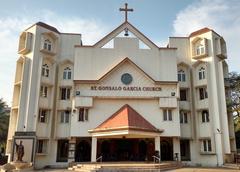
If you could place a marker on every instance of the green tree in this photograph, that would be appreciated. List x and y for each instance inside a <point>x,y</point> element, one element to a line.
<point>4,121</point>
<point>233,102</point>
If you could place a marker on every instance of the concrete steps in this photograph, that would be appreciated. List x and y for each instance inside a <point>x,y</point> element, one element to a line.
<point>122,167</point>
<point>232,166</point>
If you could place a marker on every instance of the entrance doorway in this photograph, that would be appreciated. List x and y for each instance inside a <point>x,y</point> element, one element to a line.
<point>62,151</point>
<point>166,149</point>
<point>83,150</point>
<point>126,149</point>
<point>185,150</point>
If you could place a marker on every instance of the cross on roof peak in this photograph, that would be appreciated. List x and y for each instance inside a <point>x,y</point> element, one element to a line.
<point>126,10</point>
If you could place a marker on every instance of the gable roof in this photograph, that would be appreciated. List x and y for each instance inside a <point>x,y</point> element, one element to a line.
<point>126,118</point>
<point>132,29</point>
<point>121,28</point>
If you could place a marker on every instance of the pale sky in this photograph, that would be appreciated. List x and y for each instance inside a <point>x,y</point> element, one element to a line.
<point>157,19</point>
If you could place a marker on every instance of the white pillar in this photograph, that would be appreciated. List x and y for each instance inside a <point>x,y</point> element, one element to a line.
<point>176,148</point>
<point>157,145</point>
<point>223,110</point>
<point>94,149</point>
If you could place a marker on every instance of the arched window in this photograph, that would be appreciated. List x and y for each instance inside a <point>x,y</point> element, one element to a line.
<point>45,70</point>
<point>47,45</point>
<point>67,73</point>
<point>199,49</point>
<point>201,73</point>
<point>181,76</point>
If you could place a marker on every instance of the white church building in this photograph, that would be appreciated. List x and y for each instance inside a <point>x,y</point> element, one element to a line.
<point>122,99</point>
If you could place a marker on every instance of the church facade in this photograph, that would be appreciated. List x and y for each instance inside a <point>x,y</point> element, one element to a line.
<point>121,99</point>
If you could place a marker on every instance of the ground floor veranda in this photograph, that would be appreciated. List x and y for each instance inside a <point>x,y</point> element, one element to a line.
<point>115,149</point>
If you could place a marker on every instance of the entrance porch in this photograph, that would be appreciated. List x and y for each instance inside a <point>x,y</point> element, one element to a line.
<point>126,149</point>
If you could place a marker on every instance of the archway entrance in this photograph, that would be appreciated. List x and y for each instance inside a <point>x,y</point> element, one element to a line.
<point>166,149</point>
<point>83,151</point>
<point>126,149</point>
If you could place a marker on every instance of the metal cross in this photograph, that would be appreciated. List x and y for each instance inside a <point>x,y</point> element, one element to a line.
<point>126,10</point>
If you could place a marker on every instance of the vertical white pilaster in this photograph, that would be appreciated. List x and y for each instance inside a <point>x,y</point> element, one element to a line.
<point>94,149</point>
<point>223,110</point>
<point>176,148</point>
<point>157,144</point>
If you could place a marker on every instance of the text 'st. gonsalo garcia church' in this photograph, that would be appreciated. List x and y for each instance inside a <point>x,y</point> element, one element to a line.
<point>122,99</point>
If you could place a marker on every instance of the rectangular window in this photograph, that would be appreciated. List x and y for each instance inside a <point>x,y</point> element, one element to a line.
<point>43,91</point>
<point>69,75</point>
<point>83,114</point>
<point>49,47</point>
<point>207,147</point>
<point>65,93</point>
<point>203,93</point>
<point>200,75</point>
<point>42,146</point>
<point>167,115</point>
<point>43,115</point>
<point>64,75</point>
<point>183,117</point>
<point>45,45</point>
<point>183,95</point>
<point>205,116</point>
<point>65,116</point>
<point>179,77</point>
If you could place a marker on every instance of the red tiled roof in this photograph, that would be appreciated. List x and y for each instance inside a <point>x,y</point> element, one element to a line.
<point>126,118</point>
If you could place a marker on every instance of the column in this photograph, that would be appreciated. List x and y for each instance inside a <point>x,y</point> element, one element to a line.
<point>94,149</point>
<point>71,150</point>
<point>176,149</point>
<point>157,145</point>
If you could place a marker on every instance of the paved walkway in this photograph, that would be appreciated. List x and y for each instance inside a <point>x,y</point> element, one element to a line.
<point>178,170</point>
<point>204,170</point>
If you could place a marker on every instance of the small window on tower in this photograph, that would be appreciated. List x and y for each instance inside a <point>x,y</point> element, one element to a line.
<point>205,116</point>
<point>47,45</point>
<point>167,114</point>
<point>42,146</point>
<point>207,147</point>
<point>45,70</point>
<point>183,95</point>
<point>200,49</point>
<point>201,73</point>
<point>65,93</point>
<point>43,91</point>
<point>83,114</point>
<point>43,116</point>
<point>67,73</point>
<point>181,76</point>
<point>65,115</point>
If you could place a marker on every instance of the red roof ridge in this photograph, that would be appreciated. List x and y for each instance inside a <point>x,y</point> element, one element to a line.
<point>126,117</point>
